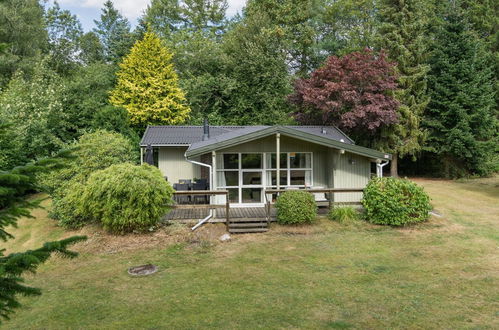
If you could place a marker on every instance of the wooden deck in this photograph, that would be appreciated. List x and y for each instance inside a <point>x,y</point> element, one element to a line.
<point>235,213</point>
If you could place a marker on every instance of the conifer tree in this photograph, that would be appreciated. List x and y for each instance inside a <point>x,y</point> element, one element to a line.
<point>460,117</point>
<point>402,35</point>
<point>148,87</point>
<point>14,185</point>
<point>113,31</point>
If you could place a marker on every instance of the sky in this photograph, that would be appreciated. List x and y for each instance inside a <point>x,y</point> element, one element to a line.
<point>88,10</point>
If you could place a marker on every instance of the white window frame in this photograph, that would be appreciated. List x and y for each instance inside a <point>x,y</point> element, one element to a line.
<point>263,171</point>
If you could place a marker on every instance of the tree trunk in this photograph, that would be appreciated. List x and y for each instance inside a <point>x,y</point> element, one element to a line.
<point>394,166</point>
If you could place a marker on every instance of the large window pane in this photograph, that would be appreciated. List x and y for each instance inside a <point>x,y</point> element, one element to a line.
<point>299,160</point>
<point>252,195</point>
<point>300,178</point>
<point>271,160</point>
<point>271,178</point>
<point>233,195</point>
<point>252,178</point>
<point>251,160</point>
<point>227,179</point>
<point>230,161</point>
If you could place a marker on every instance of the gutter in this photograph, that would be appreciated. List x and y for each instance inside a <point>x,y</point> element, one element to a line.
<point>380,166</point>
<point>211,214</point>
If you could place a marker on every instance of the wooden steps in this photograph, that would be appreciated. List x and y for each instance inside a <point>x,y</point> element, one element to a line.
<point>247,225</point>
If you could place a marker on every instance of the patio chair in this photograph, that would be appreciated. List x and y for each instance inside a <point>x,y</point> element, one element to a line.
<point>199,199</point>
<point>182,187</point>
<point>204,182</point>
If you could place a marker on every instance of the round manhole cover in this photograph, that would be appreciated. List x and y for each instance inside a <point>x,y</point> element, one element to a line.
<point>142,270</point>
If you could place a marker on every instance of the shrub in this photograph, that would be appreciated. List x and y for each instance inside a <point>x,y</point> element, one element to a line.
<point>92,152</point>
<point>295,207</point>
<point>126,197</point>
<point>396,202</point>
<point>343,214</point>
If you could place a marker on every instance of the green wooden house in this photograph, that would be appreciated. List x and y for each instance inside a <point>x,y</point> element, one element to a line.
<point>246,160</point>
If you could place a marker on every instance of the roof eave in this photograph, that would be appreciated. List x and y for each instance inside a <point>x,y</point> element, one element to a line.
<point>292,133</point>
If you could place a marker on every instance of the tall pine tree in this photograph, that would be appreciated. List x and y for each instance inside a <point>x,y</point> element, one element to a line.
<point>113,31</point>
<point>148,85</point>
<point>402,35</point>
<point>460,117</point>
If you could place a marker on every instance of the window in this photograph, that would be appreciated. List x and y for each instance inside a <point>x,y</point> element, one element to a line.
<point>230,161</point>
<point>299,160</point>
<point>245,175</point>
<point>295,169</point>
<point>252,178</point>
<point>228,179</point>
<point>251,161</point>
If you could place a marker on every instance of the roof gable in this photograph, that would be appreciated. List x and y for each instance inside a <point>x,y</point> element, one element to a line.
<point>255,132</point>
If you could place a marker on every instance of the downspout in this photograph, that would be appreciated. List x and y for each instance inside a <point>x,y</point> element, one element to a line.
<point>210,215</point>
<point>380,168</point>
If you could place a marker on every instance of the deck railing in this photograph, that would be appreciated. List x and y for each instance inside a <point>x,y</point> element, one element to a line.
<point>208,206</point>
<point>329,191</point>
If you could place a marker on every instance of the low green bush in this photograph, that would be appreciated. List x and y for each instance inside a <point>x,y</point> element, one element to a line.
<point>65,207</point>
<point>395,202</point>
<point>93,151</point>
<point>295,207</point>
<point>126,197</point>
<point>344,214</point>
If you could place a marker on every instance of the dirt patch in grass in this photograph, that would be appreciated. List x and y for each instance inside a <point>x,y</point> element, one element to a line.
<point>100,241</point>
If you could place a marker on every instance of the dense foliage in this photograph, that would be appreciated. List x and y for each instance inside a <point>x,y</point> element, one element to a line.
<point>240,70</point>
<point>33,105</point>
<point>126,197</point>
<point>147,85</point>
<point>395,202</point>
<point>296,207</point>
<point>402,33</point>
<point>462,115</point>
<point>92,152</point>
<point>14,184</point>
<point>351,91</point>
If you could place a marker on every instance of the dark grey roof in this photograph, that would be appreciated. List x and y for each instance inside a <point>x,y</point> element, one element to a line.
<point>187,135</point>
<point>180,135</point>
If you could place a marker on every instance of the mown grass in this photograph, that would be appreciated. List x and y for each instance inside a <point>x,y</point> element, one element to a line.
<point>441,274</point>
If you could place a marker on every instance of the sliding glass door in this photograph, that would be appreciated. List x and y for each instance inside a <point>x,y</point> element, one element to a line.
<point>245,175</point>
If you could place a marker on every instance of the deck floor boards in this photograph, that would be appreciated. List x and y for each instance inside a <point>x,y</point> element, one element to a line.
<point>235,213</point>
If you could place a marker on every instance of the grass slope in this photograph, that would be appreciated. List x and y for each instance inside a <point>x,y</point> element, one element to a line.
<point>442,274</point>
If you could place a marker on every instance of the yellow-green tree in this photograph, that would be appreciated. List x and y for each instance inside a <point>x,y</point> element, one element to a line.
<point>147,85</point>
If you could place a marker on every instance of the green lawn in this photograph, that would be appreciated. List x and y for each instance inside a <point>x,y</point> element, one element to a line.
<point>441,274</point>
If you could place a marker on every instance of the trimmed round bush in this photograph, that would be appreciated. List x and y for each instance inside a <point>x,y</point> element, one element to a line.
<point>295,207</point>
<point>126,197</point>
<point>395,202</point>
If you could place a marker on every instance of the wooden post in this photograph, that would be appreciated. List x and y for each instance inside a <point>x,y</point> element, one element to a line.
<point>278,160</point>
<point>213,185</point>
<point>227,209</point>
<point>330,200</point>
<point>141,156</point>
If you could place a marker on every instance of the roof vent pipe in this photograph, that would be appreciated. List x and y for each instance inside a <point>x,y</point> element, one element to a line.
<point>323,130</point>
<point>206,130</point>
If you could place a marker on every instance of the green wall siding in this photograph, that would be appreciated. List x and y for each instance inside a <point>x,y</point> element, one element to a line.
<point>330,167</point>
<point>172,163</point>
<point>288,144</point>
<point>350,171</point>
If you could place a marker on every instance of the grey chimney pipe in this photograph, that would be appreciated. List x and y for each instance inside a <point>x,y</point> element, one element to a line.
<point>206,130</point>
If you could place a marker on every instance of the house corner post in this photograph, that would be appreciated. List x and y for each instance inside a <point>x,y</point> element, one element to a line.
<point>278,160</point>
<point>213,185</point>
<point>141,156</point>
